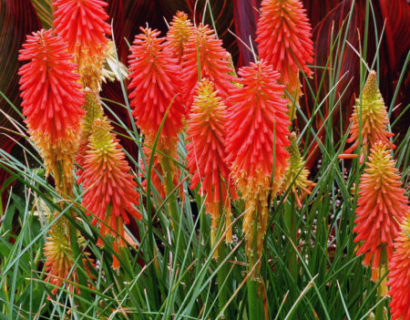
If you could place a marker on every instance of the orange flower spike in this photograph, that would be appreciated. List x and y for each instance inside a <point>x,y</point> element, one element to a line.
<point>257,108</point>
<point>257,116</point>
<point>60,265</point>
<point>180,30</point>
<point>52,100</point>
<point>155,85</point>
<point>82,24</point>
<point>284,38</point>
<point>374,121</point>
<point>214,62</point>
<point>110,190</point>
<point>399,274</point>
<point>206,155</point>
<point>381,207</point>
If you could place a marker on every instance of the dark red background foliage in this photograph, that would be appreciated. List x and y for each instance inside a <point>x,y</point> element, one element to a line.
<point>18,18</point>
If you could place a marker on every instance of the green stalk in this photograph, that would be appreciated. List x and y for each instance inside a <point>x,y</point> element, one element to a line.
<point>380,306</point>
<point>222,274</point>
<point>172,198</point>
<point>222,250</point>
<point>255,302</point>
<point>79,261</point>
<point>290,221</point>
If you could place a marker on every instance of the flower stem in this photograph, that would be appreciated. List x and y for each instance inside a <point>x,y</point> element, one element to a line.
<point>255,301</point>
<point>172,198</point>
<point>290,221</point>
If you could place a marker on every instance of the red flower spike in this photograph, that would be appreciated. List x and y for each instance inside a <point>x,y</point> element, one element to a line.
<point>257,108</point>
<point>206,155</point>
<point>381,207</point>
<point>284,38</point>
<point>155,86</point>
<point>81,23</point>
<point>214,62</point>
<point>257,116</point>
<point>399,274</point>
<point>110,190</point>
<point>52,98</point>
<point>180,30</point>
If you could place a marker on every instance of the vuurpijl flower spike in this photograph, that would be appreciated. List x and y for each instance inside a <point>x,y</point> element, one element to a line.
<point>82,24</point>
<point>180,30</point>
<point>399,275</point>
<point>156,89</point>
<point>204,57</point>
<point>52,100</point>
<point>60,263</point>
<point>381,207</point>
<point>284,38</point>
<point>206,157</point>
<point>110,192</point>
<point>257,141</point>
<point>369,120</point>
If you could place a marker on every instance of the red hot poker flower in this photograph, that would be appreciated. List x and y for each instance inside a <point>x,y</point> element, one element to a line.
<point>52,98</point>
<point>180,30</point>
<point>207,154</point>
<point>284,39</point>
<point>205,49</point>
<point>155,85</point>
<point>399,274</point>
<point>257,116</point>
<point>60,261</point>
<point>257,123</point>
<point>369,119</point>
<point>110,190</point>
<point>381,207</point>
<point>82,24</point>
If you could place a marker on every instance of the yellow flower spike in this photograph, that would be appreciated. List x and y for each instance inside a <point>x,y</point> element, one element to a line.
<point>296,175</point>
<point>369,119</point>
<point>179,32</point>
<point>59,255</point>
<point>93,110</point>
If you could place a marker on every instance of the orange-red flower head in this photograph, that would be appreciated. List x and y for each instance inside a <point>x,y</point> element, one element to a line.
<point>284,39</point>
<point>207,149</point>
<point>110,190</point>
<point>82,24</point>
<point>52,101</point>
<point>52,98</point>
<point>399,274</point>
<point>204,52</point>
<point>180,30</point>
<point>381,207</point>
<point>369,119</point>
<point>155,86</point>
<point>257,123</point>
<point>257,138</point>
